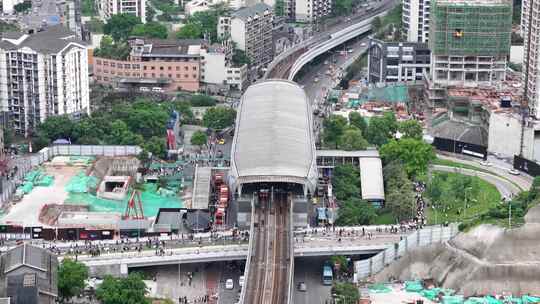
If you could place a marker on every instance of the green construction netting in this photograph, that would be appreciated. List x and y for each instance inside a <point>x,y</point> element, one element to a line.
<point>452,300</point>
<point>36,177</point>
<point>379,288</point>
<point>81,160</point>
<point>394,94</point>
<point>413,286</point>
<point>81,183</point>
<point>434,292</point>
<point>530,299</point>
<point>151,201</point>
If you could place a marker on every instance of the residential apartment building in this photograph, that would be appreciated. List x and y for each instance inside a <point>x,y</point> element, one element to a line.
<point>530,27</point>
<point>219,71</point>
<point>415,19</point>
<point>311,10</point>
<point>469,42</point>
<point>161,65</point>
<point>397,61</point>
<point>251,29</point>
<point>42,74</point>
<point>108,8</point>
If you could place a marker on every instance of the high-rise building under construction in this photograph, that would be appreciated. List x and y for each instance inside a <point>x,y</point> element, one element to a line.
<point>469,42</point>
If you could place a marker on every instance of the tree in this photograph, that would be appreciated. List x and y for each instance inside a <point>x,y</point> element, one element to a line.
<point>279,8</point>
<point>88,8</point>
<point>413,153</point>
<point>346,292</point>
<point>400,197</point>
<point>8,137</point>
<point>381,129</point>
<point>113,50</point>
<point>56,127</point>
<point>130,290</point>
<point>341,261</point>
<point>342,7</point>
<point>120,26</point>
<point>357,120</point>
<point>156,146</point>
<point>71,278</point>
<point>355,211</point>
<point>199,138</point>
<point>240,58</point>
<point>208,20</point>
<point>410,129</point>
<point>376,23</point>
<point>352,140</point>
<point>23,6</point>
<point>333,128</point>
<point>201,100</point>
<point>346,182</point>
<point>150,30</point>
<point>190,31</point>
<point>219,118</point>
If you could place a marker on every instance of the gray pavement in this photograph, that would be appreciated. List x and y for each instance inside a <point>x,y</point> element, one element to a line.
<point>309,271</point>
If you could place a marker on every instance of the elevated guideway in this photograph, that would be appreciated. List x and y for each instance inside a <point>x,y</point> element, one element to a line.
<point>270,267</point>
<point>287,64</point>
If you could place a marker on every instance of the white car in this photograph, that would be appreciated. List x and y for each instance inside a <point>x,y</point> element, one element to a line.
<point>229,284</point>
<point>485,164</point>
<point>363,44</point>
<point>241,281</point>
<point>513,171</point>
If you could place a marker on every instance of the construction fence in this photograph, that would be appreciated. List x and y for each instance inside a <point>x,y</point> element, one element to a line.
<point>420,238</point>
<point>27,163</point>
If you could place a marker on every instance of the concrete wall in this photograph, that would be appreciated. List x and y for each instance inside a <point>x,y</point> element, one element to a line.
<point>504,134</point>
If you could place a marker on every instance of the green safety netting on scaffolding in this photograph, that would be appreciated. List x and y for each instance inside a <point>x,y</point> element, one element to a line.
<point>434,293</point>
<point>81,160</point>
<point>392,94</point>
<point>413,286</point>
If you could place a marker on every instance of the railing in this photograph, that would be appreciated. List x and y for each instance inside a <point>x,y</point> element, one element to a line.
<point>423,237</point>
<point>290,283</point>
<point>250,248</point>
<point>48,153</point>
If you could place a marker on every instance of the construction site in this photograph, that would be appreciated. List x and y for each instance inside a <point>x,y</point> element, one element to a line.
<point>89,197</point>
<point>488,264</point>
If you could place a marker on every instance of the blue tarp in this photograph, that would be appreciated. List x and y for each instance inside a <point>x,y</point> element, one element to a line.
<point>321,214</point>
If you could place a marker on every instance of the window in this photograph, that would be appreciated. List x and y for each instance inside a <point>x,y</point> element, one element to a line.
<point>195,76</point>
<point>106,71</point>
<point>127,66</point>
<point>194,68</point>
<point>153,75</point>
<point>186,76</point>
<point>170,75</point>
<point>98,62</point>
<point>153,68</point>
<point>161,75</point>
<point>169,68</point>
<point>144,75</point>
<point>177,75</point>
<point>186,68</point>
<point>144,68</point>
<point>178,68</point>
<point>105,63</point>
<point>98,77</point>
<point>136,66</point>
<point>161,68</point>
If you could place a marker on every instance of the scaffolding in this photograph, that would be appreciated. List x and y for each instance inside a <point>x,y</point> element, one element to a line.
<point>471,28</point>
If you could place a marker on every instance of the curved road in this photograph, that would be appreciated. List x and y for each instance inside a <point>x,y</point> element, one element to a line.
<point>505,187</point>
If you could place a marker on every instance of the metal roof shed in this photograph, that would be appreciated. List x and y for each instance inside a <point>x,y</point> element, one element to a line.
<point>371,178</point>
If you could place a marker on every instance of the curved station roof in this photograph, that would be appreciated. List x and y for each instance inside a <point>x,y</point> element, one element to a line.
<point>273,140</point>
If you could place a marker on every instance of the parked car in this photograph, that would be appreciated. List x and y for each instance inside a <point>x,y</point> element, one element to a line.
<point>513,171</point>
<point>241,281</point>
<point>302,287</point>
<point>229,284</point>
<point>485,164</point>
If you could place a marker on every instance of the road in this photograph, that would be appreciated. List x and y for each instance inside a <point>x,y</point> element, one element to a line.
<point>309,272</point>
<point>41,10</point>
<point>498,167</point>
<point>505,187</point>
